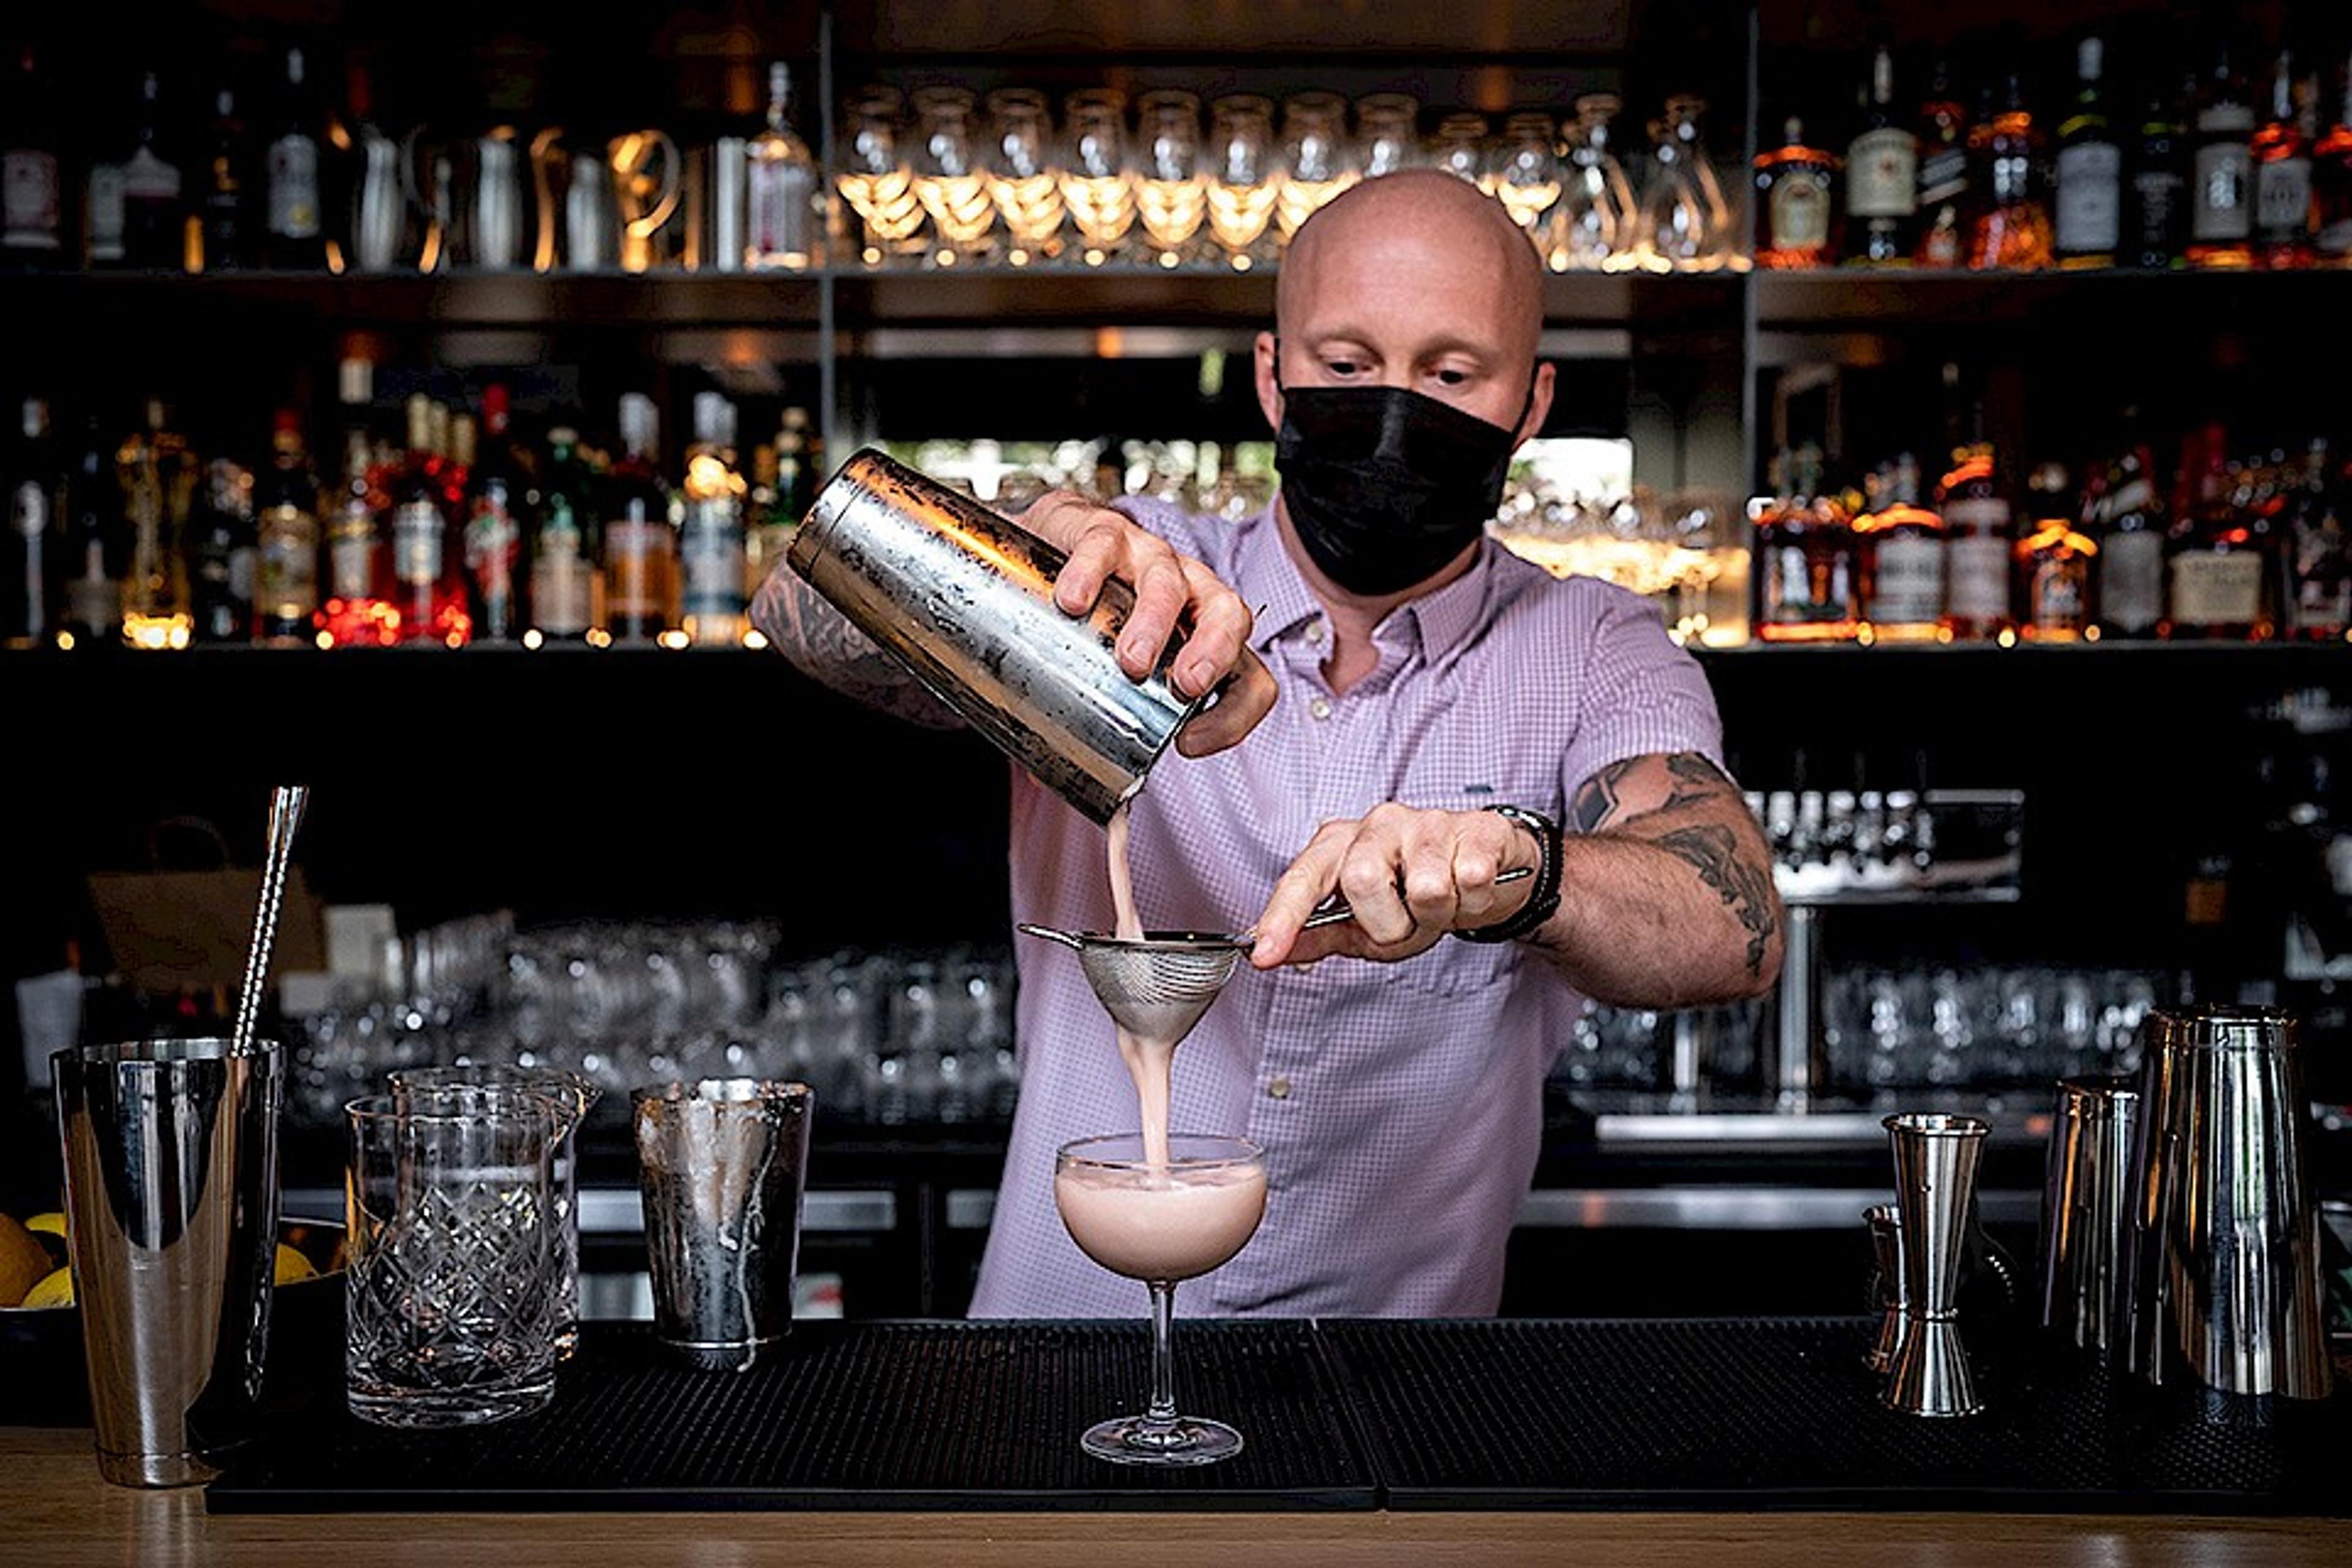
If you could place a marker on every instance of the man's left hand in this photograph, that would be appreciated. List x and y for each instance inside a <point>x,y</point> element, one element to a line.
<point>1411,877</point>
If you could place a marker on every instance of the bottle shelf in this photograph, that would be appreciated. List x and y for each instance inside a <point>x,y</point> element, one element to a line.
<point>1897,298</point>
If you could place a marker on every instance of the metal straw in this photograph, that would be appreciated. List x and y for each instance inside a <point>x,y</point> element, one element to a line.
<point>285,804</point>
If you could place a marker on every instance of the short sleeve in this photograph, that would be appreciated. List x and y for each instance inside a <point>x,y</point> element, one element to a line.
<point>1640,695</point>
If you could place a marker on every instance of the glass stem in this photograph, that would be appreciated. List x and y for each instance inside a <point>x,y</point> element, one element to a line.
<point>1162,1410</point>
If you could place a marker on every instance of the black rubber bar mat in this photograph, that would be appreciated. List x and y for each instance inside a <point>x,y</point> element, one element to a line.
<point>1748,1414</point>
<point>848,1416</point>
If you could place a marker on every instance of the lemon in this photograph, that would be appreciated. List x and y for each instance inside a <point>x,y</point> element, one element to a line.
<point>23,1261</point>
<point>52,1223</point>
<point>292,1266</point>
<point>54,1290</point>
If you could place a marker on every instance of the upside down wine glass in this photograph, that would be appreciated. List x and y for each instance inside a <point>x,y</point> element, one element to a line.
<point>1159,1224</point>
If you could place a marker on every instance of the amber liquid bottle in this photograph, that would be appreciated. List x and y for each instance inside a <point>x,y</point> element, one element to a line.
<point>641,587</point>
<point>2282,154</point>
<point>2222,178</point>
<point>2220,582</point>
<point>2331,185</point>
<point>1942,217</point>
<point>1903,551</point>
<point>1977,544</point>
<point>1795,201</point>
<point>1808,587</point>
<point>2012,231</point>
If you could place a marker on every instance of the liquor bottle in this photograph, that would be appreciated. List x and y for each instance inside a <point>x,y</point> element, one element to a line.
<point>640,540</point>
<point>1882,177</point>
<point>37,509</point>
<point>32,207</point>
<point>295,240</point>
<point>567,586</point>
<point>2011,230</point>
<point>224,207</point>
<point>498,515</point>
<point>2318,557</point>
<point>1943,208</point>
<point>221,536</point>
<point>784,188</point>
<point>428,575</point>
<point>154,210</point>
<point>2331,185</point>
<point>711,551</point>
<point>92,600</point>
<point>2221,576</point>
<point>1795,201</point>
<point>2054,566</point>
<point>1903,558</point>
<point>2131,529</point>
<point>1977,547</point>
<point>2090,170</point>
<point>355,606</point>
<point>1807,584</point>
<point>285,520</point>
<point>766,533</point>
<point>2220,204</point>
<point>2157,234</point>
<point>158,475</point>
<point>2282,154</point>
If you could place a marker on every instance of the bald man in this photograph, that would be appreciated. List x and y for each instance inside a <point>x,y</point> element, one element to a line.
<point>1423,712</point>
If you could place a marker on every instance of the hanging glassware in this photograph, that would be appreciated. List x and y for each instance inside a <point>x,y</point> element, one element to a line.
<point>1592,226</point>
<point>1685,224</point>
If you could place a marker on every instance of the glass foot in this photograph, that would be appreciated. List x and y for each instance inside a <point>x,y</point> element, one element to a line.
<point>1186,1440</point>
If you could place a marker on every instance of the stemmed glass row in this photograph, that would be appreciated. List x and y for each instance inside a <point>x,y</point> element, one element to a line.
<point>946,178</point>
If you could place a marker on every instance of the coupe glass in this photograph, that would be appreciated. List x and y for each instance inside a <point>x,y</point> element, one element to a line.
<point>1172,195</point>
<point>1022,179</point>
<point>1319,162</point>
<point>1685,224</point>
<point>1460,148</point>
<point>873,177</point>
<point>1524,172</point>
<point>1591,229</point>
<point>1243,179</point>
<point>1098,185</point>
<point>1160,1224</point>
<point>1386,131</point>
<point>949,179</point>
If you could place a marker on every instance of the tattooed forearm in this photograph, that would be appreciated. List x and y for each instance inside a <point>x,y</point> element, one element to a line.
<point>823,644</point>
<point>1744,887</point>
<point>1611,798</point>
<point>1596,802</point>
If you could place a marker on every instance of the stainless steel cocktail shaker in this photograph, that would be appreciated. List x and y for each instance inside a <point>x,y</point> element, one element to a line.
<point>2226,1283</point>
<point>964,599</point>
<point>2086,1190</point>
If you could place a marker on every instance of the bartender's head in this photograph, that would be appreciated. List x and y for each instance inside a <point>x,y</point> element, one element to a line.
<point>1400,377</point>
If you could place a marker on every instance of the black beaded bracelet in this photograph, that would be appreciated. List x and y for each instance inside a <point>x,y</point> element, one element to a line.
<point>1544,902</point>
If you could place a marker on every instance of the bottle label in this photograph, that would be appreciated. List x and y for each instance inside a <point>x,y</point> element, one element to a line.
<point>493,541</point>
<point>1882,174</point>
<point>28,199</point>
<point>561,597</point>
<point>2131,581</point>
<point>2221,213</point>
<point>710,559</point>
<point>1800,213</point>
<point>294,187</point>
<point>106,212</point>
<point>147,178</point>
<point>2217,588</point>
<point>416,544</point>
<point>1977,566</point>
<point>782,208</point>
<point>632,548</point>
<point>1907,582</point>
<point>1805,586</point>
<point>2058,594</point>
<point>28,510</point>
<point>2283,200</point>
<point>2335,238</point>
<point>2090,216</point>
<point>350,559</point>
<point>2159,192</point>
<point>288,570</point>
<point>1943,175</point>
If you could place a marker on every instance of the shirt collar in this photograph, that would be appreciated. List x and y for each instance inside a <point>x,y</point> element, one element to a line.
<point>1270,582</point>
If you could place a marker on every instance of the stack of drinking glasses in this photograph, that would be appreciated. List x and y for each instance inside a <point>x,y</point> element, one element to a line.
<point>944,177</point>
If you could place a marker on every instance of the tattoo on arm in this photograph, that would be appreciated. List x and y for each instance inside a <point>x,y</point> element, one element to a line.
<point>1744,887</point>
<point>821,641</point>
<point>1596,801</point>
<point>1600,802</point>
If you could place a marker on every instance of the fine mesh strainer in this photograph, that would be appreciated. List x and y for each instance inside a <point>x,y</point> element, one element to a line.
<point>1158,987</point>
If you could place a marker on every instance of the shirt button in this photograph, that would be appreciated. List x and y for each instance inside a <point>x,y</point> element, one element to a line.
<point>1320,707</point>
<point>1314,633</point>
<point>1278,1089</point>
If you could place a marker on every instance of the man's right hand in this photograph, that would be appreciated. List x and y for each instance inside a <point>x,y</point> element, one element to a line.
<point>1102,544</point>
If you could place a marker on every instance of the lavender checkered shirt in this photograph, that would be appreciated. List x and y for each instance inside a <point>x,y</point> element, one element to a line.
<point>1399,1104</point>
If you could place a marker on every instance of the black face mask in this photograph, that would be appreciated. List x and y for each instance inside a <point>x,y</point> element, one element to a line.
<point>1385,485</point>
